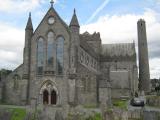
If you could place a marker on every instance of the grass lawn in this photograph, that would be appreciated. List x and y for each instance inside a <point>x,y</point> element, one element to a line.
<point>18,113</point>
<point>122,104</point>
<point>97,116</point>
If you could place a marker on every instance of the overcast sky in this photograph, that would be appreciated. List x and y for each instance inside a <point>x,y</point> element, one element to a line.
<point>116,21</point>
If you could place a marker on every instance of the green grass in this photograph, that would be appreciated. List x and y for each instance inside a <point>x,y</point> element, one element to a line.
<point>109,110</point>
<point>97,116</point>
<point>122,104</point>
<point>135,118</point>
<point>90,106</point>
<point>18,113</point>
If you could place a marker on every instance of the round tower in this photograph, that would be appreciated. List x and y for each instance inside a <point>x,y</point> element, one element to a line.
<point>144,74</point>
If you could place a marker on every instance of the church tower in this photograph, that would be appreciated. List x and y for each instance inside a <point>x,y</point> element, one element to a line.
<point>144,74</point>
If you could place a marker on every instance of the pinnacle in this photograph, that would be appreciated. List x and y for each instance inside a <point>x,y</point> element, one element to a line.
<point>29,23</point>
<point>74,21</point>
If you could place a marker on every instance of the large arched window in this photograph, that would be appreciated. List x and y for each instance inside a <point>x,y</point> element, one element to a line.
<point>59,55</point>
<point>50,47</point>
<point>40,55</point>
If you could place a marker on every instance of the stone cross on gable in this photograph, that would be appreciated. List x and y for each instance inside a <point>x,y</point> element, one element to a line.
<point>52,2</point>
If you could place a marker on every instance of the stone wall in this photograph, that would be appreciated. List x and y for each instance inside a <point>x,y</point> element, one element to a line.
<point>153,101</point>
<point>1,87</point>
<point>151,115</point>
<point>122,76</point>
<point>120,83</point>
<point>50,72</point>
<point>15,88</point>
<point>5,115</point>
<point>58,83</point>
<point>105,96</point>
<point>86,86</point>
<point>135,114</point>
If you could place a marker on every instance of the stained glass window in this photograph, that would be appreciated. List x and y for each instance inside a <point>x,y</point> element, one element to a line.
<point>40,55</point>
<point>50,48</point>
<point>60,50</point>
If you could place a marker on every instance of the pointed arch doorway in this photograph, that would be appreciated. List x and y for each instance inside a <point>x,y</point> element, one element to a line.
<point>49,93</point>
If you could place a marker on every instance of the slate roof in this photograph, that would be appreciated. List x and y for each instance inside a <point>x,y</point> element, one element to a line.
<point>118,51</point>
<point>122,49</point>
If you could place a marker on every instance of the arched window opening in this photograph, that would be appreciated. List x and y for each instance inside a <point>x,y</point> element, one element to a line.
<point>53,98</point>
<point>40,55</point>
<point>16,81</point>
<point>45,97</point>
<point>50,49</point>
<point>59,55</point>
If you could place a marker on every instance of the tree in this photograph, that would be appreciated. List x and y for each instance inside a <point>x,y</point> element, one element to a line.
<point>4,73</point>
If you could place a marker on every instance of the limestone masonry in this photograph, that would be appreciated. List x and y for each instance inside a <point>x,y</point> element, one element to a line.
<point>63,67</point>
<point>144,74</point>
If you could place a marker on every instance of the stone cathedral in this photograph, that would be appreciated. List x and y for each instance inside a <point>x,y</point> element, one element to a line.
<point>62,66</point>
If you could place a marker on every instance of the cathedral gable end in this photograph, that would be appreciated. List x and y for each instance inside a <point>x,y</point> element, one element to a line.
<point>46,24</point>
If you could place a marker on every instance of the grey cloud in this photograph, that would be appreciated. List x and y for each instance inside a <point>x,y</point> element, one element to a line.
<point>154,49</point>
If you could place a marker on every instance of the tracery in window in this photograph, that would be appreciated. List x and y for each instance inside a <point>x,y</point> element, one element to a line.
<point>50,49</point>
<point>40,55</point>
<point>81,56</point>
<point>59,55</point>
<point>16,80</point>
<point>87,60</point>
<point>92,61</point>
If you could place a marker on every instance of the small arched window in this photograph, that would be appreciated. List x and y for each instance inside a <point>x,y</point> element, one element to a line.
<point>16,78</point>
<point>50,48</point>
<point>59,54</point>
<point>40,55</point>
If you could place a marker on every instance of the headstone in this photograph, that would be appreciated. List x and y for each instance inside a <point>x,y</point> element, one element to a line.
<point>58,115</point>
<point>149,115</point>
